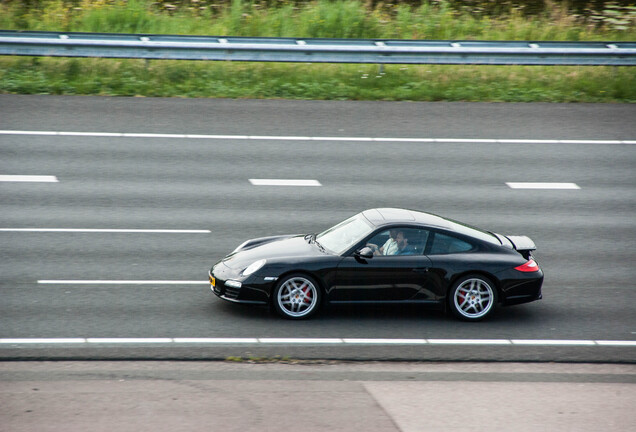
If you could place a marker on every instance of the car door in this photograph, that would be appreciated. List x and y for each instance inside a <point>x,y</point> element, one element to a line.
<point>384,278</point>
<point>449,256</point>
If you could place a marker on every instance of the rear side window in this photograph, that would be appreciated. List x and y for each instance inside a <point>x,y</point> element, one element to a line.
<point>444,244</point>
<point>471,231</point>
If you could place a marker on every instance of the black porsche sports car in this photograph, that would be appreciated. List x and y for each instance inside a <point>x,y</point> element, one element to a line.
<point>383,255</point>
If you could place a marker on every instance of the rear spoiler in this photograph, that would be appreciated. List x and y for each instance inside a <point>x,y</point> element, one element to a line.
<point>522,243</point>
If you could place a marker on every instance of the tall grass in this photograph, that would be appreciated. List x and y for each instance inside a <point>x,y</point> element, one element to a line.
<point>321,18</point>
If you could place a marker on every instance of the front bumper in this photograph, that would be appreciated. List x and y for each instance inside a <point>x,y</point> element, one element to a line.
<point>230,285</point>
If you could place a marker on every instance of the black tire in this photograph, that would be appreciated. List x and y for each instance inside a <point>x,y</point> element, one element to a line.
<point>297,296</point>
<point>472,298</point>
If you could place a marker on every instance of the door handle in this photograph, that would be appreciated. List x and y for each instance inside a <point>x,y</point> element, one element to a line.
<point>420,270</point>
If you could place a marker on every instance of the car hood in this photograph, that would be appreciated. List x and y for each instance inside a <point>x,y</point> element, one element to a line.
<point>286,247</point>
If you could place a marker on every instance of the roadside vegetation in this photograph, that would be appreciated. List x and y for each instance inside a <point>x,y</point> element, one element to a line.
<point>414,19</point>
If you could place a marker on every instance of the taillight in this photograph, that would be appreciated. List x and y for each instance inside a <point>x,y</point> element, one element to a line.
<point>528,267</point>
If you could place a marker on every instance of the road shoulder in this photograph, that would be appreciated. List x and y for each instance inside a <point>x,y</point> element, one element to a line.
<point>315,396</point>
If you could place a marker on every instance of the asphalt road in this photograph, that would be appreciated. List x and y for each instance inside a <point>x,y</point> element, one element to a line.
<point>586,237</point>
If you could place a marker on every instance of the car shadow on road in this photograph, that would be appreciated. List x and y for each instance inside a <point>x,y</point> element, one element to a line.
<point>405,312</point>
<point>369,313</point>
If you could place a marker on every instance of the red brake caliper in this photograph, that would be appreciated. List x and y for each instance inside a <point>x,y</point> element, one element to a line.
<point>307,292</point>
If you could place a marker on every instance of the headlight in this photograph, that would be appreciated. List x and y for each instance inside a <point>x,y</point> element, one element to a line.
<point>254,267</point>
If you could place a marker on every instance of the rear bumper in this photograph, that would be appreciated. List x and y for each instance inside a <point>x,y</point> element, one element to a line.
<point>523,291</point>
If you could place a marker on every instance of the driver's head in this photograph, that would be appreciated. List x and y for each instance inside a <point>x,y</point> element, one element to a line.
<point>401,239</point>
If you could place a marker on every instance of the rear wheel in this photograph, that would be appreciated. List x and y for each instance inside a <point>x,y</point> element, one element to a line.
<point>296,297</point>
<point>472,298</point>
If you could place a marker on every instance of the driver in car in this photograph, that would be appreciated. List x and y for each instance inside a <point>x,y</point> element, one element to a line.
<point>390,247</point>
<point>403,247</point>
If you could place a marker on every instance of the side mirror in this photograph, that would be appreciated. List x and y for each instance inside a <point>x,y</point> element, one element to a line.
<point>366,253</point>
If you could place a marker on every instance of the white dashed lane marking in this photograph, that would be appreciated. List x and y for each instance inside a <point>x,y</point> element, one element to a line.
<point>29,178</point>
<point>121,282</point>
<point>106,230</point>
<point>283,182</point>
<point>540,185</point>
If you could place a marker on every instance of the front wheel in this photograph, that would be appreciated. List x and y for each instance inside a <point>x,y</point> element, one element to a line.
<point>472,298</point>
<point>296,297</point>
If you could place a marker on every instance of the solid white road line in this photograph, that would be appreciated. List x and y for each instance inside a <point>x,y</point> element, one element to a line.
<point>322,341</point>
<point>551,342</point>
<point>319,138</point>
<point>129,340</point>
<point>29,178</point>
<point>469,341</point>
<point>615,343</point>
<point>106,230</point>
<point>122,282</point>
<point>366,341</point>
<point>284,182</point>
<point>298,341</point>
<point>540,185</point>
<point>216,340</point>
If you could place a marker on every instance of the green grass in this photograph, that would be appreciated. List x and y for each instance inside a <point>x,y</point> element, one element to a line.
<point>341,19</point>
<point>306,81</point>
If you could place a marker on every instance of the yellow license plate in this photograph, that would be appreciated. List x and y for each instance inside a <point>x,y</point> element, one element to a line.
<point>212,281</point>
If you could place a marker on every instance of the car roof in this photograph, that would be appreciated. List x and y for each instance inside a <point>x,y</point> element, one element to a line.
<point>386,216</point>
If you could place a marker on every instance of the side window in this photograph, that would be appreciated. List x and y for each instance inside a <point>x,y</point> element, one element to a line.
<point>445,244</point>
<point>399,241</point>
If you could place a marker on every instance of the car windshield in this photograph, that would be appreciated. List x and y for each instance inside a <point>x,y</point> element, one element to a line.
<point>341,237</point>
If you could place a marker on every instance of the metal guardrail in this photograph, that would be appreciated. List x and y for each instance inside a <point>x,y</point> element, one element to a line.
<point>309,50</point>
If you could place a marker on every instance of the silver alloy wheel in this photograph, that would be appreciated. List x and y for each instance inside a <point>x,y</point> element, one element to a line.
<point>474,298</point>
<point>297,297</point>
